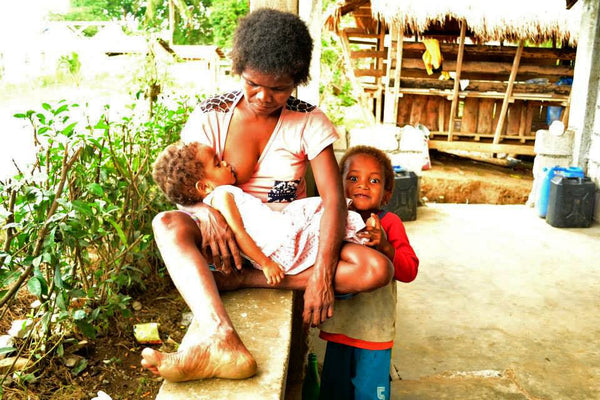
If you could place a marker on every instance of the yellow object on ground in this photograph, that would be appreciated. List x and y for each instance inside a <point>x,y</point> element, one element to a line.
<point>147,333</point>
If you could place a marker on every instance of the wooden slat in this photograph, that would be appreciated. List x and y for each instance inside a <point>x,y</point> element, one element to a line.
<point>359,33</point>
<point>367,53</point>
<point>500,68</point>
<point>485,136</point>
<point>494,52</point>
<point>482,147</point>
<point>404,110</point>
<point>461,48</point>
<point>513,119</point>
<point>561,100</point>
<point>486,115</point>
<point>486,86</point>
<point>470,114</point>
<point>508,94</point>
<point>523,121</point>
<point>418,110</point>
<point>369,72</point>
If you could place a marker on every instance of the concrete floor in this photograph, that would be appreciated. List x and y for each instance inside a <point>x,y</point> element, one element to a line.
<point>505,306</point>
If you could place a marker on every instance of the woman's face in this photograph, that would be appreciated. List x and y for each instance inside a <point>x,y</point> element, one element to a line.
<point>266,93</point>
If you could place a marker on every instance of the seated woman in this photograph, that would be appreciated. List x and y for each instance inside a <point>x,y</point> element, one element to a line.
<point>268,138</point>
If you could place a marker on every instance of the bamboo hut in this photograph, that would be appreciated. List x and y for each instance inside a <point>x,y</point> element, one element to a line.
<point>481,76</point>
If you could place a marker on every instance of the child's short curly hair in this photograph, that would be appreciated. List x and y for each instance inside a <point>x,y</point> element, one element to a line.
<point>176,171</point>
<point>273,42</point>
<point>380,156</point>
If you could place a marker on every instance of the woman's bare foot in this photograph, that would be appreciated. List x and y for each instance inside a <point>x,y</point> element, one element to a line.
<point>217,357</point>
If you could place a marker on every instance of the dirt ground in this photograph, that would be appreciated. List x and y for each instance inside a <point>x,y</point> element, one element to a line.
<point>113,359</point>
<point>454,179</point>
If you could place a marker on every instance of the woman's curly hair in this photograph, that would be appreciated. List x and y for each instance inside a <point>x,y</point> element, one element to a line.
<point>380,156</point>
<point>273,42</point>
<point>176,171</point>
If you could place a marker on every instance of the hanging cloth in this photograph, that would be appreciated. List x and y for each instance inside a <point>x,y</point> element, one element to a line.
<point>432,58</point>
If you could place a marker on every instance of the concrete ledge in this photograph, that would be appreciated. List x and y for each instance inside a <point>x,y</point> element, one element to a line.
<point>263,319</point>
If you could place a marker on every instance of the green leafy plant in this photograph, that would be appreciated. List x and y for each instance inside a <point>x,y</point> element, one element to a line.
<point>336,91</point>
<point>77,224</point>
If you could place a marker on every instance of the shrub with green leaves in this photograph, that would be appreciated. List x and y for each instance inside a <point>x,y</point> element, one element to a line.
<point>77,225</point>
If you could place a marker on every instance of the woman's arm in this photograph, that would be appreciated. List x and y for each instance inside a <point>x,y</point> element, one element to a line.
<point>218,242</point>
<point>319,294</point>
<point>225,203</point>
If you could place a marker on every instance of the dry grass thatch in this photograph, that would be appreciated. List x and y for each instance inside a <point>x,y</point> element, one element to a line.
<point>509,20</point>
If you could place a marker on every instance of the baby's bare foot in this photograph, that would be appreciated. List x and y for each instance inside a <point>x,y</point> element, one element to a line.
<point>218,358</point>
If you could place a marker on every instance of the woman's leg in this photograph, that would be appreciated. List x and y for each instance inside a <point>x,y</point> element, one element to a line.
<point>221,353</point>
<point>360,269</point>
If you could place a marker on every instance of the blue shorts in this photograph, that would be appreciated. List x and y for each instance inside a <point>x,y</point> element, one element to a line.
<point>350,373</point>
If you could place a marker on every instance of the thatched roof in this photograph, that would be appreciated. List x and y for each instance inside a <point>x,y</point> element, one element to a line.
<point>508,20</point>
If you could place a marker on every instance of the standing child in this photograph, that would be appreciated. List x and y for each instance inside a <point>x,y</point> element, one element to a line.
<point>277,242</point>
<point>361,333</point>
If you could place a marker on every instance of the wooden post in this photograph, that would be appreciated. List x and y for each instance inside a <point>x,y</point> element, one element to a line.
<point>390,113</point>
<point>398,70</point>
<point>459,59</point>
<point>507,95</point>
<point>379,66</point>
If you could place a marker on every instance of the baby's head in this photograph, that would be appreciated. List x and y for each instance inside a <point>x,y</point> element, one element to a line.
<point>187,172</point>
<point>368,177</point>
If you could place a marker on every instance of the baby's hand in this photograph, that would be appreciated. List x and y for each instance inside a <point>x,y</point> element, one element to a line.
<point>273,272</point>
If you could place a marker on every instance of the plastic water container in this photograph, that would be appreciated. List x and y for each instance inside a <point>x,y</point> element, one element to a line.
<point>544,190</point>
<point>571,202</point>
<point>405,197</point>
<point>554,112</point>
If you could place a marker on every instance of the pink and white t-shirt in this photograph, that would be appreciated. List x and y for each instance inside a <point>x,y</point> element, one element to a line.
<point>301,133</point>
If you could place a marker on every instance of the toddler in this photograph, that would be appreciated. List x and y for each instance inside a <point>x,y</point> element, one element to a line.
<point>361,333</point>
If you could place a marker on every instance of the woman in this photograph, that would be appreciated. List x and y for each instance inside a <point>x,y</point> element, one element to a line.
<point>268,137</point>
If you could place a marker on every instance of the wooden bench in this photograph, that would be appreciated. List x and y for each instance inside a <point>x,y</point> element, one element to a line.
<point>263,319</point>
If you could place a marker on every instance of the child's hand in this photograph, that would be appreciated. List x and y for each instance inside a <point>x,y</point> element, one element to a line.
<point>373,232</point>
<point>273,272</point>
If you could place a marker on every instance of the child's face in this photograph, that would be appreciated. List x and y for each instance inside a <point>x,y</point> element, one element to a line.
<point>216,172</point>
<point>363,183</point>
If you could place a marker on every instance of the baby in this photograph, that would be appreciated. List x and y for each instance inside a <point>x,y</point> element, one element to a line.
<point>277,242</point>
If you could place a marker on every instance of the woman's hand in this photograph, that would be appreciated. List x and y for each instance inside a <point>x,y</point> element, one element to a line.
<point>218,242</point>
<point>318,301</point>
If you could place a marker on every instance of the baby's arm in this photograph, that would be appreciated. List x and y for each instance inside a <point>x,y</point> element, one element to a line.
<point>225,203</point>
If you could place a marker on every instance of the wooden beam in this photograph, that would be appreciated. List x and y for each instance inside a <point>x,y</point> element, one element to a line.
<point>461,50</point>
<point>415,49</point>
<point>486,86</point>
<point>368,54</point>
<point>507,95</point>
<point>497,68</point>
<point>482,147</point>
